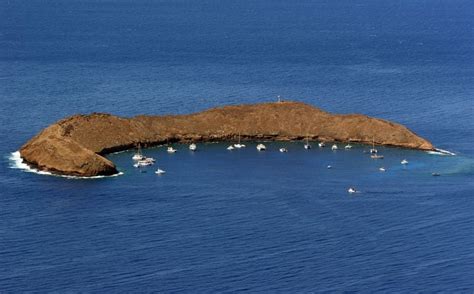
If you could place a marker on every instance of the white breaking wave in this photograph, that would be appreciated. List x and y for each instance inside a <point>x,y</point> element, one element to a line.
<point>16,162</point>
<point>441,152</point>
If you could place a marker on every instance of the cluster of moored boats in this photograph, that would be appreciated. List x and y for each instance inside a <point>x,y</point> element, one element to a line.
<point>142,161</point>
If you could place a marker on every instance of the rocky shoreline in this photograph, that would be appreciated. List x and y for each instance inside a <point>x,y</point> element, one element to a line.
<point>76,145</point>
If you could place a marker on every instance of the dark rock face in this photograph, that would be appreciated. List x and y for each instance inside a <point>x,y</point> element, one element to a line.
<point>75,145</point>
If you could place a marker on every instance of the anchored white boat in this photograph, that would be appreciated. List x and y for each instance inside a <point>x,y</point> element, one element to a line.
<point>307,146</point>
<point>321,144</point>
<point>376,156</point>
<point>149,159</point>
<point>261,147</point>
<point>283,150</point>
<point>373,150</point>
<point>171,150</point>
<point>348,146</point>
<point>192,147</point>
<point>382,169</point>
<point>352,190</point>
<point>334,147</point>
<point>160,172</point>
<point>138,155</point>
<point>230,147</point>
<point>239,145</point>
<point>404,162</point>
<point>329,166</point>
<point>142,163</point>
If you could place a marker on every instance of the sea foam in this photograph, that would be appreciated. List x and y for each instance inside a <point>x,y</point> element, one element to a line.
<point>441,152</point>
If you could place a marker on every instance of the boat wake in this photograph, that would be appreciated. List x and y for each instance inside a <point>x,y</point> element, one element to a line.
<point>441,152</point>
<point>16,162</point>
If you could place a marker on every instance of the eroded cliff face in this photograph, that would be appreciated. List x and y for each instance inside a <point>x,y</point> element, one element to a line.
<point>75,145</point>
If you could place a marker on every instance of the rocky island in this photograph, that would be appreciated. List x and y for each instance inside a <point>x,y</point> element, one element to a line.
<point>76,145</point>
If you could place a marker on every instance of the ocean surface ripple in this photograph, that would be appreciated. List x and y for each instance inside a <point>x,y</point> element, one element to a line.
<point>221,221</point>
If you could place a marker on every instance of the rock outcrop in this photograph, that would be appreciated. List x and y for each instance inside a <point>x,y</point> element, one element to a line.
<point>76,145</point>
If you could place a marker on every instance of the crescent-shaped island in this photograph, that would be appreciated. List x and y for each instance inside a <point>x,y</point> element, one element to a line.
<point>76,145</point>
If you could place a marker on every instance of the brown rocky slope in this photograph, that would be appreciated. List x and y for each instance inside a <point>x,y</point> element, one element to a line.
<point>76,145</point>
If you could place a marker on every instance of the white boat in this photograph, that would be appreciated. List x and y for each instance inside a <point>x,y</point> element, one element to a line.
<point>348,146</point>
<point>307,146</point>
<point>334,147</point>
<point>404,162</point>
<point>435,174</point>
<point>230,147</point>
<point>142,163</point>
<point>373,150</point>
<point>352,190</point>
<point>321,144</point>
<point>171,150</point>
<point>192,147</point>
<point>283,150</point>
<point>261,147</point>
<point>149,159</point>
<point>138,155</point>
<point>239,145</point>
<point>329,166</point>
<point>376,156</point>
<point>382,169</point>
<point>160,172</point>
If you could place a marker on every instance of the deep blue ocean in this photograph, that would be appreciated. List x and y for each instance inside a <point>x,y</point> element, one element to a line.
<point>221,221</point>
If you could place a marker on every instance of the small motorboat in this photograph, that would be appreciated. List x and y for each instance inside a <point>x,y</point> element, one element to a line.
<point>160,172</point>
<point>230,147</point>
<point>352,190</point>
<point>171,150</point>
<point>435,174</point>
<point>329,166</point>
<point>334,147</point>
<point>321,144</point>
<point>404,162</point>
<point>348,146</point>
<point>376,156</point>
<point>261,147</point>
<point>192,147</point>
<point>283,150</point>
<point>382,169</point>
